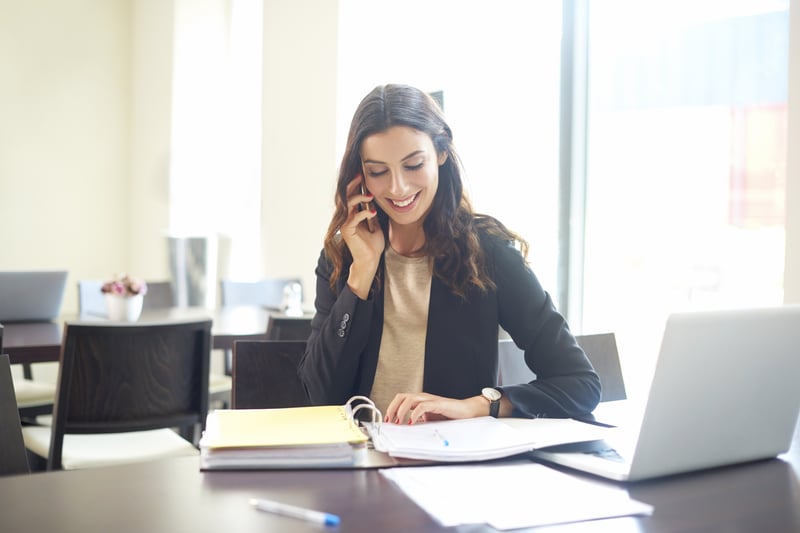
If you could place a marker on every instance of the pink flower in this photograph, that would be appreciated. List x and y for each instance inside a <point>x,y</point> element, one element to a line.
<point>124,285</point>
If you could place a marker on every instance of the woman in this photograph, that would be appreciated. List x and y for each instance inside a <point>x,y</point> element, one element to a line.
<point>412,285</point>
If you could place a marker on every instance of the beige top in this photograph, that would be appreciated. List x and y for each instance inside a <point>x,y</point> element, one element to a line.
<point>401,359</point>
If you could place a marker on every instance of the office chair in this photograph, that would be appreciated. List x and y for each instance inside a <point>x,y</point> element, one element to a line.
<point>266,292</point>
<point>265,375</point>
<point>601,349</point>
<point>13,459</point>
<point>121,387</point>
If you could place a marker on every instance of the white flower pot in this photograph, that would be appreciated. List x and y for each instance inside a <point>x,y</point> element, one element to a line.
<point>124,308</point>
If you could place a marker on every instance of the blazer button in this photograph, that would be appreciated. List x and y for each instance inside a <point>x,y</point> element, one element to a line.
<point>340,332</point>
<point>346,317</point>
<point>343,324</point>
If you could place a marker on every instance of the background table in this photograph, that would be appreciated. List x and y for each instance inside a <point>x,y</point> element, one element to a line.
<point>38,342</point>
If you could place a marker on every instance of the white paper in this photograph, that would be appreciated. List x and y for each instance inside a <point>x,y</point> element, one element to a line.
<point>522,494</point>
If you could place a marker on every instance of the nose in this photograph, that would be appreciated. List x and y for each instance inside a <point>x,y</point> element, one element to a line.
<point>398,186</point>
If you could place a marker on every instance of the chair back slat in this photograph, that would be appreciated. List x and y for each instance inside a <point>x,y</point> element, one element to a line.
<point>13,459</point>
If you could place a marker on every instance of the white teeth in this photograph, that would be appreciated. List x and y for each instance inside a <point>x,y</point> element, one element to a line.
<point>404,203</point>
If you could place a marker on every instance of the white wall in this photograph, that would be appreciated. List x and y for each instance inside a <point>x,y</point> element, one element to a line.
<point>299,128</point>
<point>64,137</point>
<point>150,112</point>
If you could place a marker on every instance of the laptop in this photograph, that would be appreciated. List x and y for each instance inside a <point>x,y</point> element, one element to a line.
<point>725,391</point>
<point>31,295</point>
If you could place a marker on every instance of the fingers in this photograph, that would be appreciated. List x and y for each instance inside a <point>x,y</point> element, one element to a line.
<point>412,408</point>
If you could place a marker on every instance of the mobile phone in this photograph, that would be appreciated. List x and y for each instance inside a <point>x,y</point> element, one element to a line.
<point>365,207</point>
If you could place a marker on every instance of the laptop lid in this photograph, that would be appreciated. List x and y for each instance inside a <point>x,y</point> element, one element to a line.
<point>31,295</point>
<point>724,391</point>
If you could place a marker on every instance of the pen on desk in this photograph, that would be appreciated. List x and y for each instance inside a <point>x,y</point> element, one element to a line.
<point>441,437</point>
<point>293,511</point>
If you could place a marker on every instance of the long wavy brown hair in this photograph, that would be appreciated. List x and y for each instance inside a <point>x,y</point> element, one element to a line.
<point>451,227</point>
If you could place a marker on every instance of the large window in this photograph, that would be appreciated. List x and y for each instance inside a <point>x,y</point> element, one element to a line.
<point>685,179</point>
<point>496,65</point>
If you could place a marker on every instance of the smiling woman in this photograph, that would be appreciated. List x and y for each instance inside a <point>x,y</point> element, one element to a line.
<point>409,313</point>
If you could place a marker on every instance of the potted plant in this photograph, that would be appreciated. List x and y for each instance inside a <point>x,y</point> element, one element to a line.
<point>124,297</point>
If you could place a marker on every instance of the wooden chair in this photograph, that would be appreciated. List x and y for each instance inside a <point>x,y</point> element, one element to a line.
<point>160,295</point>
<point>13,458</point>
<point>265,374</point>
<point>288,328</point>
<point>120,388</point>
<point>601,349</point>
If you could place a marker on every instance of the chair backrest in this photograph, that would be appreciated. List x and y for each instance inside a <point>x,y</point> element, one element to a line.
<point>160,295</point>
<point>288,328</point>
<point>601,349</point>
<point>263,293</point>
<point>13,458</point>
<point>91,301</point>
<point>265,375</point>
<point>129,377</point>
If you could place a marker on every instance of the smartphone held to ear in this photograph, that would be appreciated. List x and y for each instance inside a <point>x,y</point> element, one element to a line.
<point>365,207</point>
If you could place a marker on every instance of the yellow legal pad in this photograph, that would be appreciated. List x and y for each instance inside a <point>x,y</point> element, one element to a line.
<point>293,426</point>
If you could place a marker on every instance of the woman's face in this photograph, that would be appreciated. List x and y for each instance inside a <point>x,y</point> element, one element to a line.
<point>401,170</point>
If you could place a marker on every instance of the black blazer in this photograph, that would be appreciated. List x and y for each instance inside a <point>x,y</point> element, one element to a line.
<point>461,344</point>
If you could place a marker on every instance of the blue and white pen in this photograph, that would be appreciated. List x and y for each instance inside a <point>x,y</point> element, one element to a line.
<point>441,437</point>
<point>318,517</point>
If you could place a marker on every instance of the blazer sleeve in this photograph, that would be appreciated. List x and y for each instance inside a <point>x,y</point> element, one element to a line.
<point>566,384</point>
<point>330,367</point>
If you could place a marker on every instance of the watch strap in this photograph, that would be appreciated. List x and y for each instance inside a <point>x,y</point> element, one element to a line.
<point>494,408</point>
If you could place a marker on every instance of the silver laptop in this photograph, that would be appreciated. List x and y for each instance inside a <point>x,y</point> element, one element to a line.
<point>31,295</point>
<point>725,391</point>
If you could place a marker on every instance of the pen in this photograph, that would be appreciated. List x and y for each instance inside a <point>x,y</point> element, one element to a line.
<point>441,437</point>
<point>285,509</point>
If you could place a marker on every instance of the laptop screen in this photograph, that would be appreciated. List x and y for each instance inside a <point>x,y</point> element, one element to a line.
<point>31,295</point>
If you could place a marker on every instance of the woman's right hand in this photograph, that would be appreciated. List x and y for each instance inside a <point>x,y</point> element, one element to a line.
<point>366,247</point>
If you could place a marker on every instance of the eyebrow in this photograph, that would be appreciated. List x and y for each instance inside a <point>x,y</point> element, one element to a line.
<point>409,156</point>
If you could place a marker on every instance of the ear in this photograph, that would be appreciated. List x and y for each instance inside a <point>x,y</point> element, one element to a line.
<point>442,158</point>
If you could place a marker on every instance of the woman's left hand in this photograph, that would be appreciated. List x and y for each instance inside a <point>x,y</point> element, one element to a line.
<point>410,408</point>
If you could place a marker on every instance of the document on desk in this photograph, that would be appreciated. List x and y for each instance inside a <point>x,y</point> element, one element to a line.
<point>528,495</point>
<point>478,439</point>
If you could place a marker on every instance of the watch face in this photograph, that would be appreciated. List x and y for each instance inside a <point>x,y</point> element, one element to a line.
<point>491,394</point>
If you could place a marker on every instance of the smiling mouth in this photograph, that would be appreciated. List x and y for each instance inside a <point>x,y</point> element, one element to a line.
<point>405,203</point>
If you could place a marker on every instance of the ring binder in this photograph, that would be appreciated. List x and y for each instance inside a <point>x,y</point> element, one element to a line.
<point>368,405</point>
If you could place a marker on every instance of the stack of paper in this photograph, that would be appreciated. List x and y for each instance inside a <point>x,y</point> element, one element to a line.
<point>478,439</point>
<point>526,495</point>
<point>297,437</point>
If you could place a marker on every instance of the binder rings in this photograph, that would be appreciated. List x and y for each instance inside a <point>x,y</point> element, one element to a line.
<point>295,437</point>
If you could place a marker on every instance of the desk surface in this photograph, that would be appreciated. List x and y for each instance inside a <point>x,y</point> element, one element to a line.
<point>170,496</point>
<point>37,342</point>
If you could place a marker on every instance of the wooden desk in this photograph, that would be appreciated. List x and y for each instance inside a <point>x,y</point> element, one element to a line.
<point>173,495</point>
<point>38,342</point>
